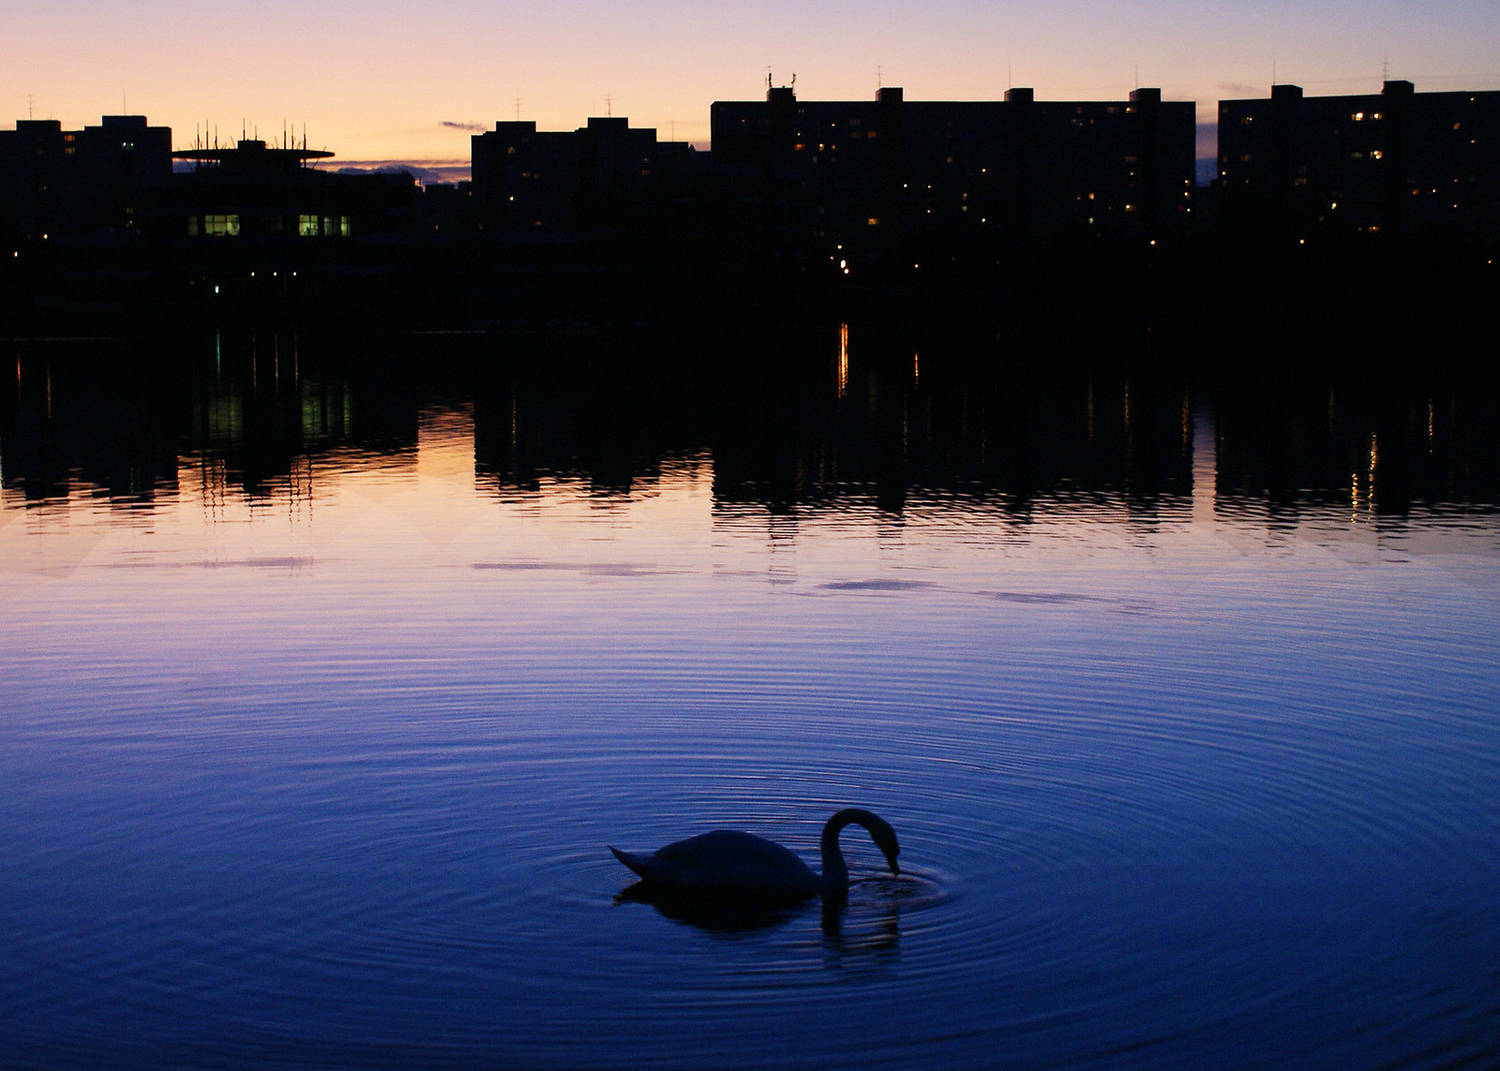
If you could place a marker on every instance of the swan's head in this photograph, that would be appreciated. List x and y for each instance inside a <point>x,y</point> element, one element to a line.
<point>885,839</point>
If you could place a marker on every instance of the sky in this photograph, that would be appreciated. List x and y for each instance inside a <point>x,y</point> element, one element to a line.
<point>377,81</point>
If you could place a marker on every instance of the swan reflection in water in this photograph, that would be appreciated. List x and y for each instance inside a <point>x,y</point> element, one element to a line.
<point>732,880</point>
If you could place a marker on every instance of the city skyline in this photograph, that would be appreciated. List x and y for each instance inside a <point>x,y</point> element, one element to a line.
<point>377,86</point>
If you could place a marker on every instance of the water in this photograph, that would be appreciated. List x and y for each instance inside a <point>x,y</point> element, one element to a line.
<point>331,668</point>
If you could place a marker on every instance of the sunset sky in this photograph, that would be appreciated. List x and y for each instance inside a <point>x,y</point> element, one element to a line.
<point>379,81</point>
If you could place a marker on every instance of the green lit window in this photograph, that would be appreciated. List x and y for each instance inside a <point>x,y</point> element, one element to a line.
<point>227,224</point>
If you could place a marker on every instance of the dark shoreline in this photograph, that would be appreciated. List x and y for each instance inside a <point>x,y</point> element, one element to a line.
<point>1210,289</point>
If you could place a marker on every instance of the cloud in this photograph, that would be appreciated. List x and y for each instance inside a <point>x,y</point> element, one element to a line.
<point>1241,89</point>
<point>474,128</point>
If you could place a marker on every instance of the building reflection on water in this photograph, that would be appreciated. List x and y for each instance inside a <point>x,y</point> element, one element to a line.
<point>852,416</point>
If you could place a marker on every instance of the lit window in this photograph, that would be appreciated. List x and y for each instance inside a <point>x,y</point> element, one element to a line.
<point>222,225</point>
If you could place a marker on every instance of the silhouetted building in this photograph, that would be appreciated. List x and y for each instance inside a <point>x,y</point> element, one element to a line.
<point>897,174</point>
<point>607,172</point>
<point>447,208</point>
<point>254,190</point>
<point>101,180</point>
<point>1396,162</point>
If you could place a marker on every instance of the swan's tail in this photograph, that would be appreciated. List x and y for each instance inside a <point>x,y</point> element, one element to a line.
<point>634,862</point>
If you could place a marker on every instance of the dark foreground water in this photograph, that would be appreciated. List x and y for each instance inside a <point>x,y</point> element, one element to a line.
<point>329,673</point>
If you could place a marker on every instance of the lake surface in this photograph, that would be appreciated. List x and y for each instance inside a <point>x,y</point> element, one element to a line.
<point>331,668</point>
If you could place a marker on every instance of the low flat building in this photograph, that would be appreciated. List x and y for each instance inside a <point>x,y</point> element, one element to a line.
<point>257,191</point>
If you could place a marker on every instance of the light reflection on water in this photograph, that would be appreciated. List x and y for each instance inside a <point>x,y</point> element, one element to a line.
<point>318,720</point>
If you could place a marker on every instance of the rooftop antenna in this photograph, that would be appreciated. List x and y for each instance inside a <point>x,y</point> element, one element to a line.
<point>518,108</point>
<point>768,76</point>
<point>609,105</point>
<point>879,80</point>
<point>793,84</point>
<point>30,98</point>
<point>1385,69</point>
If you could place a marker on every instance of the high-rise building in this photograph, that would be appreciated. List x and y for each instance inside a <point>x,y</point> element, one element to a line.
<point>602,173</point>
<point>101,180</point>
<point>895,172</point>
<point>1396,162</point>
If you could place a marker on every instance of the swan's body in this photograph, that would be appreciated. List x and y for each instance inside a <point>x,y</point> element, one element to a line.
<point>727,863</point>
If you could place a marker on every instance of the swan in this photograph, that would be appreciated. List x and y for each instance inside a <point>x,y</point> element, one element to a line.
<point>741,865</point>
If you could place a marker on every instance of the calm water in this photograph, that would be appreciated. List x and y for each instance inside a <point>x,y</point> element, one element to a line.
<point>330,670</point>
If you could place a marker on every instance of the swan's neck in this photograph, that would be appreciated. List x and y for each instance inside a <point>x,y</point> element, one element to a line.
<point>835,870</point>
